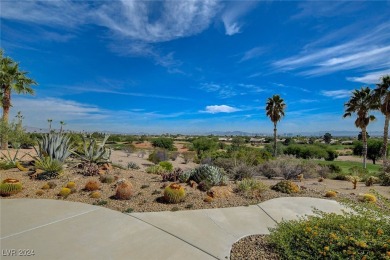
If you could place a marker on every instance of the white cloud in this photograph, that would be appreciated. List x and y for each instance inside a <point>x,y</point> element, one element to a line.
<point>336,94</point>
<point>369,51</point>
<point>370,78</point>
<point>326,8</point>
<point>151,21</point>
<point>252,53</point>
<point>223,91</point>
<point>220,109</point>
<point>232,14</point>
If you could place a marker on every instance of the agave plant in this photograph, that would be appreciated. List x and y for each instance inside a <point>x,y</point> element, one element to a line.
<point>94,153</point>
<point>51,168</point>
<point>54,145</point>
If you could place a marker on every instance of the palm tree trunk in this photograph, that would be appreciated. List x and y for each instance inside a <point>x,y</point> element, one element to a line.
<point>6,104</point>
<point>385,137</point>
<point>364,151</point>
<point>275,139</point>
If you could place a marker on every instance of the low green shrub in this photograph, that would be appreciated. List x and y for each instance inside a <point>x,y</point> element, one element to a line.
<point>167,166</point>
<point>362,234</point>
<point>251,187</point>
<point>155,169</point>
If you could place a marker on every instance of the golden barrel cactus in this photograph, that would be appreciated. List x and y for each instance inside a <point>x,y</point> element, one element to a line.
<point>124,190</point>
<point>10,186</point>
<point>174,193</point>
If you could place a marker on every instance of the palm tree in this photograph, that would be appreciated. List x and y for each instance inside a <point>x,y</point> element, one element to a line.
<point>49,121</point>
<point>62,124</point>
<point>11,80</point>
<point>361,102</point>
<point>382,96</point>
<point>275,111</point>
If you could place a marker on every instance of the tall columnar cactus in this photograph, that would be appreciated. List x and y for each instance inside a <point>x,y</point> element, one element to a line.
<point>54,145</point>
<point>95,153</point>
<point>9,187</point>
<point>213,175</point>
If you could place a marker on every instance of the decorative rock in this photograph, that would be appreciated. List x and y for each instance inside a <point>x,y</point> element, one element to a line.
<point>220,192</point>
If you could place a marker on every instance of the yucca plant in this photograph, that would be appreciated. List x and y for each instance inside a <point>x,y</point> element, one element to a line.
<point>54,145</point>
<point>94,153</point>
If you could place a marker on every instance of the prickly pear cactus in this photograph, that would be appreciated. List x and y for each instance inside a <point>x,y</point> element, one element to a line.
<point>214,175</point>
<point>286,187</point>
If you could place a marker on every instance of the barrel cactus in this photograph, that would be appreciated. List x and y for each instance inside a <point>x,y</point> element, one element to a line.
<point>286,187</point>
<point>9,187</point>
<point>124,190</point>
<point>174,193</point>
<point>214,175</point>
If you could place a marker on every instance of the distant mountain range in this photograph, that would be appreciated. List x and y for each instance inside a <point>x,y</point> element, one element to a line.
<point>232,133</point>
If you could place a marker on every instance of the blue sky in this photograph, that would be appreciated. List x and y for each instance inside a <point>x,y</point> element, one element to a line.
<point>195,66</point>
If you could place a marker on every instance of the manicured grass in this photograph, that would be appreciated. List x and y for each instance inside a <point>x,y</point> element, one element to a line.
<point>345,165</point>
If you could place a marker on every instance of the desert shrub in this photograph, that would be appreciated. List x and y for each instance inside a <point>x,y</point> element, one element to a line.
<point>371,180</point>
<point>311,151</point>
<point>174,193</point>
<point>173,155</point>
<point>384,175</point>
<point>205,185</point>
<point>158,156</point>
<point>124,190</point>
<point>133,166</point>
<point>172,176</point>
<point>250,156</point>
<point>155,169</point>
<point>251,187</point>
<point>284,167</point>
<point>270,148</point>
<point>242,171</point>
<point>204,144</point>
<point>188,156</point>
<point>166,165</point>
<point>334,168</point>
<point>164,143</point>
<point>286,187</point>
<point>92,185</point>
<point>225,163</point>
<point>361,234</point>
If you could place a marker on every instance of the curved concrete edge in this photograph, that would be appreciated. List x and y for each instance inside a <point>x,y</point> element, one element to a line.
<point>291,208</point>
<point>101,233</point>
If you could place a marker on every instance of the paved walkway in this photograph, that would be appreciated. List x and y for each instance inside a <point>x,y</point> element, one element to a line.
<point>56,229</point>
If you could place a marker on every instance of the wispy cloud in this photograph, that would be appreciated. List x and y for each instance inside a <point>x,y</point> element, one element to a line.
<point>370,78</point>
<point>232,14</point>
<point>326,8</point>
<point>79,115</point>
<point>369,51</point>
<point>253,88</point>
<point>252,53</point>
<point>336,94</point>
<point>151,21</point>
<point>222,90</point>
<point>220,109</point>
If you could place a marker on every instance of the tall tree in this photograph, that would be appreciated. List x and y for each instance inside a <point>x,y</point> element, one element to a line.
<point>382,95</point>
<point>327,138</point>
<point>361,103</point>
<point>12,79</point>
<point>275,107</point>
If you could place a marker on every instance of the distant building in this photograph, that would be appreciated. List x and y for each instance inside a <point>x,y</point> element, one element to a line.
<point>347,142</point>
